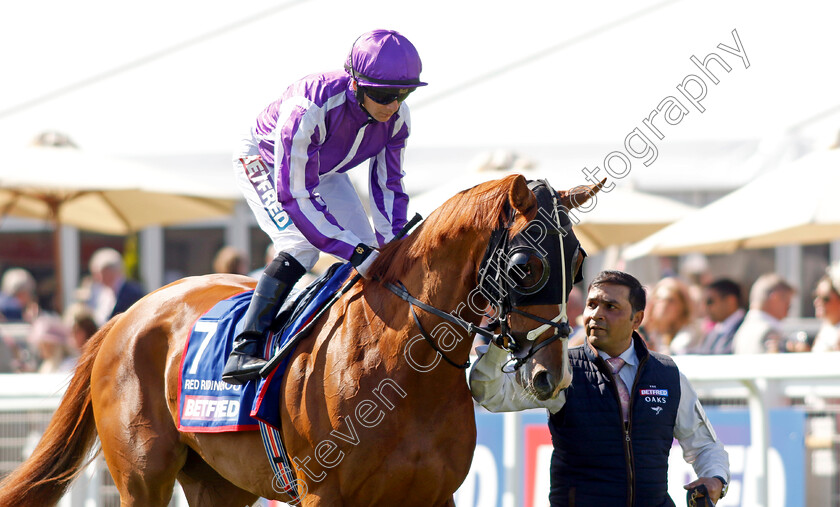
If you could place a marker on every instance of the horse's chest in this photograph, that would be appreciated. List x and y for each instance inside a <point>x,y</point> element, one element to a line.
<point>386,447</point>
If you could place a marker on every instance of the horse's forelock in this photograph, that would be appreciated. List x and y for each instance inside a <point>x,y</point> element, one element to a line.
<point>481,208</point>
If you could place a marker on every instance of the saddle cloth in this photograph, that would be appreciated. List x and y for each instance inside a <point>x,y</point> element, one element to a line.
<point>209,405</point>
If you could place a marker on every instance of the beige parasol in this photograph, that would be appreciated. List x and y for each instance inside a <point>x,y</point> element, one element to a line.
<point>95,193</point>
<point>66,186</point>
<point>795,204</point>
<point>619,216</point>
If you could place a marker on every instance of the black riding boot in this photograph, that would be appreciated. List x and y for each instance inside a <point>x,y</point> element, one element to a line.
<point>245,360</point>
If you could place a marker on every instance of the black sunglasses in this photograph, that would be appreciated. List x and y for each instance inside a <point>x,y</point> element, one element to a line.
<point>386,96</point>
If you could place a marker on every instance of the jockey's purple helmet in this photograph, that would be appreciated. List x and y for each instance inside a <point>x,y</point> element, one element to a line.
<point>384,59</point>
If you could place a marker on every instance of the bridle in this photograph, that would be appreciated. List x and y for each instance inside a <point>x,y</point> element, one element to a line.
<point>518,271</point>
<point>507,290</point>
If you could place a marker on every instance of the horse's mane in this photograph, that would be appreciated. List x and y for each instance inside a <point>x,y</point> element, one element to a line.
<point>481,208</point>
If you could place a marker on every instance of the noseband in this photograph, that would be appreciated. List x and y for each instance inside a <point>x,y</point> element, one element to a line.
<point>527,269</point>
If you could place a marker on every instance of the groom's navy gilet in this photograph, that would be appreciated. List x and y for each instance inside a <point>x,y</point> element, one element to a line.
<point>595,461</point>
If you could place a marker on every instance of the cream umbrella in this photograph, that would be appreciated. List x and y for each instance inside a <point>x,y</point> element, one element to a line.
<point>619,216</point>
<point>795,204</point>
<point>67,186</point>
<point>624,215</point>
<point>100,194</point>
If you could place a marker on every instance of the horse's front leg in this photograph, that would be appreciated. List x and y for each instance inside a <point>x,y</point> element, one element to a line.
<point>449,503</point>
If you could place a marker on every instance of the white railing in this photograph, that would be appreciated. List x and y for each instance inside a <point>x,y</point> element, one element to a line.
<point>762,381</point>
<point>766,381</point>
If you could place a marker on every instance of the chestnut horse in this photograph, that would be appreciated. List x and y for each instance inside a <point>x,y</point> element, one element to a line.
<point>370,413</point>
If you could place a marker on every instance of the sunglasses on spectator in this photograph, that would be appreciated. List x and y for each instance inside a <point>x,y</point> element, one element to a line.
<point>386,96</point>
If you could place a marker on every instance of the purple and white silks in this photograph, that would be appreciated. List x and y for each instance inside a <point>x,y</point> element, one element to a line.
<point>317,129</point>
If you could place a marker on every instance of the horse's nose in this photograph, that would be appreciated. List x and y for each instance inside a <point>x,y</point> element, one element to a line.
<point>543,384</point>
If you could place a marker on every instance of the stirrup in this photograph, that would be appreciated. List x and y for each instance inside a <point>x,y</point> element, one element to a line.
<point>240,368</point>
<point>243,374</point>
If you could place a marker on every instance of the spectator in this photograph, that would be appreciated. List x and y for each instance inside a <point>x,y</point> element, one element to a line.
<point>827,308</point>
<point>17,296</point>
<point>723,307</point>
<point>9,362</point>
<point>230,259</point>
<point>78,318</point>
<point>670,325</point>
<point>110,292</point>
<point>49,338</point>
<point>761,331</point>
<point>694,270</point>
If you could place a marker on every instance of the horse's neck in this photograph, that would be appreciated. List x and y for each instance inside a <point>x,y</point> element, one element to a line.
<point>446,285</point>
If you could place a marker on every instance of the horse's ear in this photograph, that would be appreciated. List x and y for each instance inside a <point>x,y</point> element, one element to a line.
<point>577,196</point>
<point>521,198</point>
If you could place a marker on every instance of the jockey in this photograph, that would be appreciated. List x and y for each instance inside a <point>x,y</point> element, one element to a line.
<point>291,168</point>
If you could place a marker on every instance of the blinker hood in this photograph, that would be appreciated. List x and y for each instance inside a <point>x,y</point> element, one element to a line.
<point>529,268</point>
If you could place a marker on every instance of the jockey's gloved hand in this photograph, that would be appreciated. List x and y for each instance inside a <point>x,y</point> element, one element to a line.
<point>362,258</point>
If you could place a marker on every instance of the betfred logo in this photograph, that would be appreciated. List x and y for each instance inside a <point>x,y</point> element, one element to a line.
<point>208,408</point>
<point>653,392</point>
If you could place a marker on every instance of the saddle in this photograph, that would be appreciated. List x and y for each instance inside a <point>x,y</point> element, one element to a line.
<point>298,301</point>
<point>209,405</point>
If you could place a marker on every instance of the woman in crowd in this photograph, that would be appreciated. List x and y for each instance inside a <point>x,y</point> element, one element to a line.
<point>49,338</point>
<point>669,325</point>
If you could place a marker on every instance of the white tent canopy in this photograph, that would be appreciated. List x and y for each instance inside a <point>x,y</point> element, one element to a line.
<point>795,204</point>
<point>615,216</point>
<point>502,75</point>
<point>561,83</point>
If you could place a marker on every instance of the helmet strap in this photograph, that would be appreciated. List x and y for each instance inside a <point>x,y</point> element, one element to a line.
<point>360,98</point>
<point>360,95</point>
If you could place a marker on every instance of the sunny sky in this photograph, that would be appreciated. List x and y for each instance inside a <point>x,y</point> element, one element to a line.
<point>166,77</point>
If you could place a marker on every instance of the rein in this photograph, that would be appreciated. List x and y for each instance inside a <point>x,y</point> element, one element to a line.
<point>498,290</point>
<point>403,294</point>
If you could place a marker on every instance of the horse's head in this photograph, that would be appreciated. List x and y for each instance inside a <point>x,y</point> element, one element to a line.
<point>530,265</point>
<point>519,234</point>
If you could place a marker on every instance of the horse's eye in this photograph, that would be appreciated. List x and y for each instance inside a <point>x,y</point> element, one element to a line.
<point>527,272</point>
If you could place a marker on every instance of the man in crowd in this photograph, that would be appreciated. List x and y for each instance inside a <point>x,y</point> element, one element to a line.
<point>761,331</point>
<point>723,306</point>
<point>17,296</point>
<point>111,293</point>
